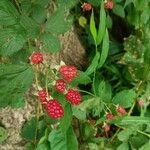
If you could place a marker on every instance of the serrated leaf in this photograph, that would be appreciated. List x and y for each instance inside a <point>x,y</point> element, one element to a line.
<point>124,134</point>
<point>93,26</point>
<point>125,98</point>
<point>123,146</point>
<point>66,120</point>
<point>105,92</point>
<point>32,27</point>
<point>50,43</point>
<point>93,65</point>
<point>133,120</point>
<point>44,146</point>
<point>56,23</point>
<point>127,2</point>
<point>8,13</point>
<point>83,78</point>
<point>119,10</point>
<point>29,129</point>
<point>12,40</point>
<point>60,141</point>
<point>105,49</point>
<point>102,24</point>
<point>3,134</point>
<point>14,81</point>
<point>66,3</point>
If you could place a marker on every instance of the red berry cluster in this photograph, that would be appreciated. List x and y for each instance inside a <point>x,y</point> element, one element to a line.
<point>66,75</point>
<point>54,109</point>
<point>109,5</point>
<point>87,6</point>
<point>36,58</point>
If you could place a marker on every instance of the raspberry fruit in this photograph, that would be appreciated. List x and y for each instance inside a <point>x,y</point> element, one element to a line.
<point>73,97</point>
<point>43,95</point>
<point>109,5</point>
<point>140,103</point>
<point>121,110</point>
<point>106,127</point>
<point>68,72</point>
<point>36,58</point>
<point>87,6</point>
<point>110,116</point>
<point>60,85</point>
<point>54,109</point>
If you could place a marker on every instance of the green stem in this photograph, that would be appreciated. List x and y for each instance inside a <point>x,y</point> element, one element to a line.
<point>86,92</point>
<point>139,131</point>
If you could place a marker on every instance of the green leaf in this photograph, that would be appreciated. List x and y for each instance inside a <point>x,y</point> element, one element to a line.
<point>93,26</point>
<point>125,98</point>
<point>66,3</point>
<point>109,21</point>
<point>31,26</point>
<point>105,92</point>
<point>125,134</point>
<point>93,65</point>
<point>3,134</point>
<point>66,120</point>
<point>60,141</point>
<point>39,13</point>
<point>56,23</point>
<point>50,43</point>
<point>127,2</point>
<point>105,49</point>
<point>133,120</point>
<point>44,146</point>
<point>81,115</point>
<point>83,78</point>
<point>8,13</point>
<point>89,104</point>
<point>123,146</point>
<point>15,80</point>
<point>29,129</point>
<point>119,10</point>
<point>145,146</point>
<point>12,40</point>
<point>102,24</point>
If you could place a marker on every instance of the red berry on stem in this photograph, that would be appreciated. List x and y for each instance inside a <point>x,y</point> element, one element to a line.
<point>109,5</point>
<point>37,58</point>
<point>110,116</point>
<point>121,110</point>
<point>106,127</point>
<point>43,95</point>
<point>54,109</point>
<point>68,72</point>
<point>60,85</point>
<point>73,97</point>
<point>140,103</point>
<point>87,6</point>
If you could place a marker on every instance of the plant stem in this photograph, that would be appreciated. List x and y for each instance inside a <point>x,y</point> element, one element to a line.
<point>87,92</point>
<point>139,131</point>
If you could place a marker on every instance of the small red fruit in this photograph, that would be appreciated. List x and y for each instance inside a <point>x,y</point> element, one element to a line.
<point>87,6</point>
<point>37,58</point>
<point>121,110</point>
<point>73,97</point>
<point>54,109</point>
<point>109,5</point>
<point>110,116</point>
<point>68,72</point>
<point>60,85</point>
<point>106,127</point>
<point>43,96</point>
<point>140,103</point>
